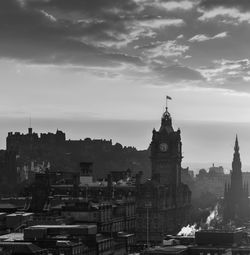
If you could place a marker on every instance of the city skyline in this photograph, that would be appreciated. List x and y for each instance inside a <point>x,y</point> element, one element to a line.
<point>102,70</point>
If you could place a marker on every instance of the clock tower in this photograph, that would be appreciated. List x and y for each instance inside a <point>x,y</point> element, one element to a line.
<point>163,202</point>
<point>166,153</point>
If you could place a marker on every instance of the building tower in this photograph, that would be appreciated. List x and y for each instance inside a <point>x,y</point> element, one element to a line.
<point>163,202</point>
<point>236,203</point>
<point>166,153</point>
<point>236,175</point>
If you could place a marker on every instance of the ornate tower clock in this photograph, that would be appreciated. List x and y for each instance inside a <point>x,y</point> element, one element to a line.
<point>166,153</point>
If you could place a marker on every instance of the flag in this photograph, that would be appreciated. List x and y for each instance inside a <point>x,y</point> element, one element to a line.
<point>170,98</point>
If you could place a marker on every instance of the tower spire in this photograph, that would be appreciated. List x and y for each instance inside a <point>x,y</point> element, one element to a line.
<point>236,158</point>
<point>166,120</point>
<point>166,114</point>
<point>236,203</point>
<point>236,146</point>
<point>236,176</point>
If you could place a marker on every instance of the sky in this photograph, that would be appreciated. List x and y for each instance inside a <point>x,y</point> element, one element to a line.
<point>102,69</point>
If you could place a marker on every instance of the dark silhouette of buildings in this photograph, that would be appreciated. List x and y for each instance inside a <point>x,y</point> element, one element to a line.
<point>8,170</point>
<point>236,202</point>
<point>163,203</point>
<point>8,166</point>
<point>49,185</point>
<point>61,208</point>
<point>204,242</point>
<point>54,151</point>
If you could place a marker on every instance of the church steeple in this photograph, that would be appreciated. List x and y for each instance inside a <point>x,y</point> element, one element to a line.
<point>236,203</point>
<point>236,145</point>
<point>236,164</point>
<point>236,175</point>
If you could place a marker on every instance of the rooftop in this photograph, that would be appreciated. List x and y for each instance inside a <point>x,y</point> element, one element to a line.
<point>21,247</point>
<point>167,249</point>
<point>64,226</point>
<point>11,237</point>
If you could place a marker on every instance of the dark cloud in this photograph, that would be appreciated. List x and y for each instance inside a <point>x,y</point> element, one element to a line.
<point>90,7</point>
<point>109,33</point>
<point>30,32</point>
<point>243,5</point>
<point>89,32</point>
<point>103,20</point>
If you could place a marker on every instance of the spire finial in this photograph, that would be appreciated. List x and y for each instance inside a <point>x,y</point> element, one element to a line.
<point>166,121</point>
<point>236,146</point>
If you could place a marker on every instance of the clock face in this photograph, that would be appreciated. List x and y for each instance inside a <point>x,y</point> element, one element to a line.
<point>163,147</point>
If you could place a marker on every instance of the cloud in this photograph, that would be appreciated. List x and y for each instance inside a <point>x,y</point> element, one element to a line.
<point>140,39</point>
<point>242,5</point>
<point>94,33</point>
<point>165,49</point>
<point>220,35</point>
<point>178,5</point>
<point>225,15</point>
<point>177,73</point>
<point>231,74</point>
<point>181,36</point>
<point>49,16</point>
<point>90,32</point>
<point>170,6</point>
<point>91,8</point>
<point>161,23</point>
<point>202,37</point>
<point>41,32</point>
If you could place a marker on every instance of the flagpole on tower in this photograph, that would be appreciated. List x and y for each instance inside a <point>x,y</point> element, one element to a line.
<point>167,98</point>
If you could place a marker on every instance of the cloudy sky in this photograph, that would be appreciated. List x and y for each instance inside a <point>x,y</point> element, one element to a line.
<point>102,69</point>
